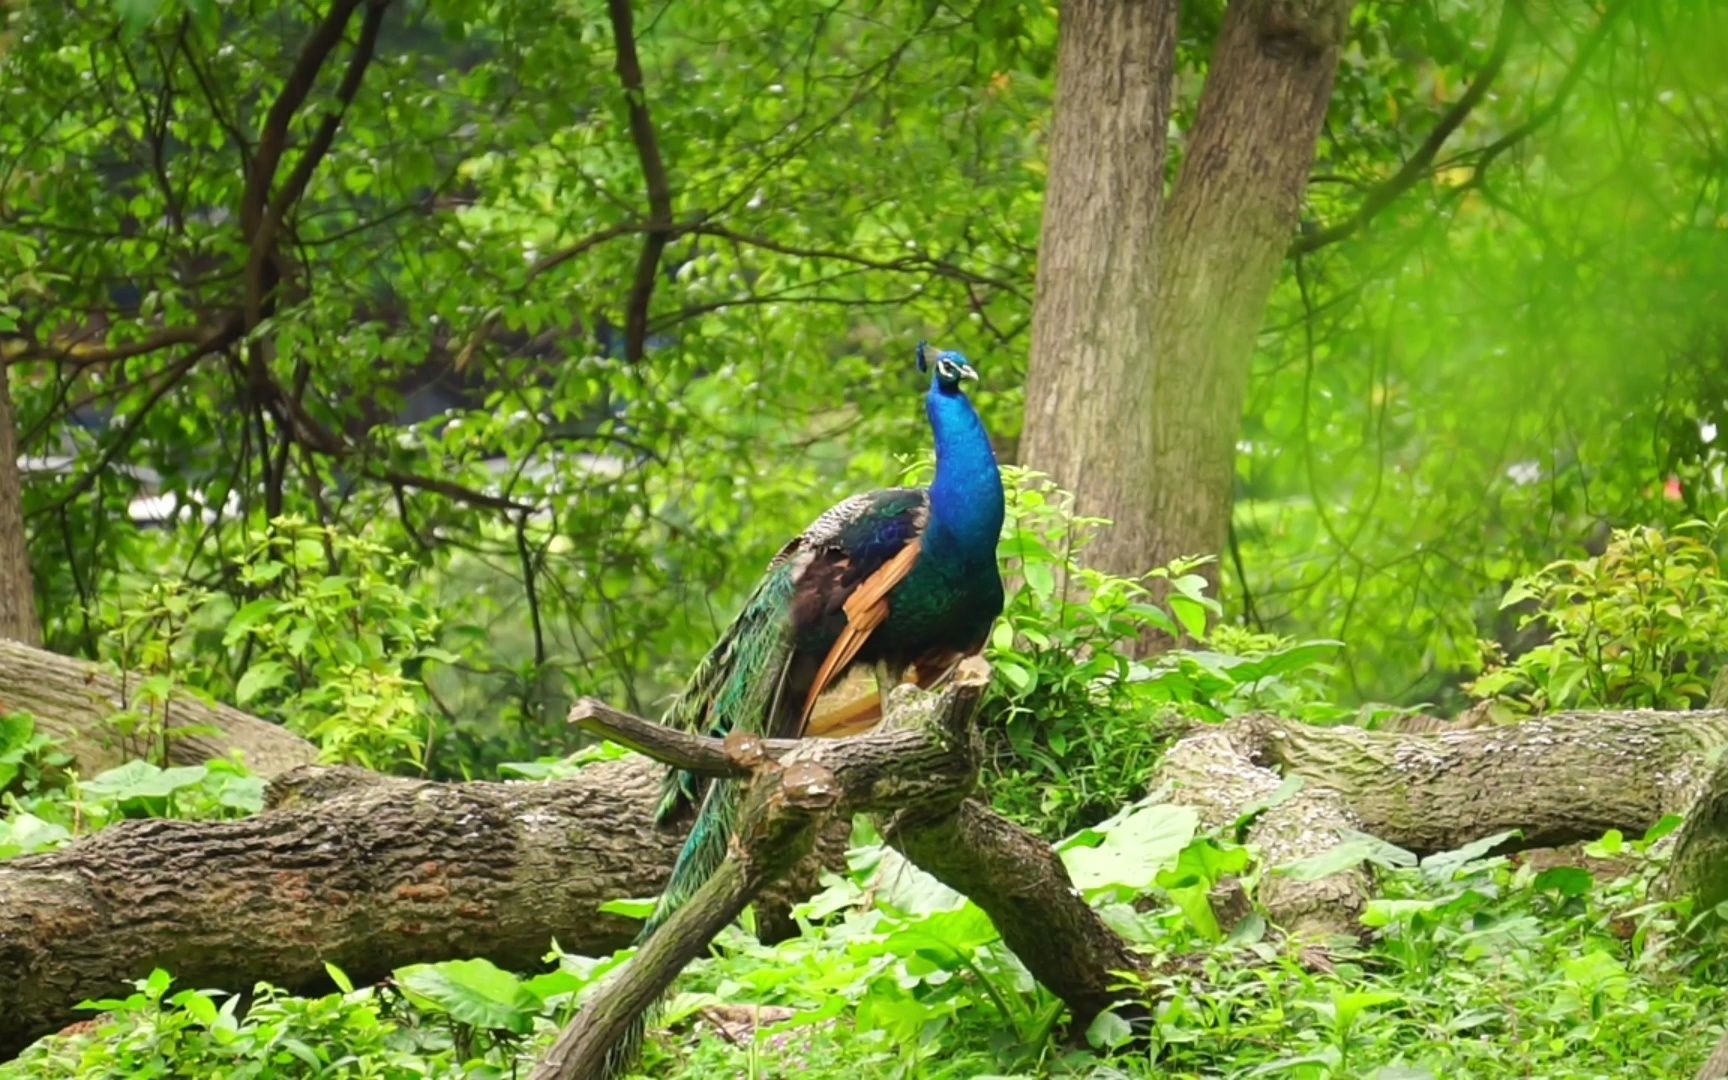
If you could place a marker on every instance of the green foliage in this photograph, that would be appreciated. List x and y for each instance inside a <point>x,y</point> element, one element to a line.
<point>29,759</point>
<point>1075,728</point>
<point>331,639</point>
<point>47,815</point>
<point>152,1033</point>
<point>1477,965</point>
<point>1643,625</point>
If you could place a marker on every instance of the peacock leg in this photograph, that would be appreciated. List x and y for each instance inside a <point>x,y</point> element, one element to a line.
<point>888,676</point>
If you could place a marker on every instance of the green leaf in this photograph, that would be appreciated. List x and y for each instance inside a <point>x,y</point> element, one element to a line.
<point>1191,613</point>
<point>339,977</point>
<point>636,908</point>
<point>262,676</point>
<point>142,780</point>
<point>197,1005</point>
<point>246,618</point>
<point>1107,1031</point>
<point>1355,849</point>
<point>1128,854</point>
<point>1595,971</point>
<point>1565,880</point>
<point>475,992</point>
<point>25,834</point>
<point>1611,844</point>
<point>1351,1005</point>
<point>1444,865</point>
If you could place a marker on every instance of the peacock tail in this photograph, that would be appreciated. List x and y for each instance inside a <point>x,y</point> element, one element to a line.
<point>725,693</point>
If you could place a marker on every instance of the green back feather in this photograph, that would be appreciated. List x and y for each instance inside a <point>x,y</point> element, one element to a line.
<point>727,690</point>
<point>736,687</point>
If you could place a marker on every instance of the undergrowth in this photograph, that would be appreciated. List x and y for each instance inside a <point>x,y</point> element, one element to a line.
<point>1478,966</point>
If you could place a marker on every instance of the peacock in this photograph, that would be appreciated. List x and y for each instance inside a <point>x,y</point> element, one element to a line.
<point>903,580</point>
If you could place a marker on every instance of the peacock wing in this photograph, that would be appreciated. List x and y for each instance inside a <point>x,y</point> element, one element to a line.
<point>740,684</point>
<point>870,545</point>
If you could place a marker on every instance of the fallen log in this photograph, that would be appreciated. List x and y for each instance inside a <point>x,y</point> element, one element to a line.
<point>1554,780</point>
<point>74,700</point>
<point>372,872</point>
<point>367,872</point>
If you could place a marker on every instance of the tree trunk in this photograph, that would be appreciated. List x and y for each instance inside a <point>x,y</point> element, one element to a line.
<point>1092,324</point>
<point>72,700</point>
<point>18,620</point>
<point>1145,314</point>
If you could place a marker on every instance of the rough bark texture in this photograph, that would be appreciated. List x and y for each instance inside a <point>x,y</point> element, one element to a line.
<point>18,620</point>
<point>1216,772</point>
<point>372,872</point>
<point>1020,882</point>
<point>1230,217</point>
<point>1558,780</point>
<point>1699,865</point>
<point>1092,319</point>
<point>1145,314</point>
<point>366,872</point>
<point>924,756</point>
<point>72,701</point>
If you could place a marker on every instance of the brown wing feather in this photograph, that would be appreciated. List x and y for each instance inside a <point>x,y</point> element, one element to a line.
<point>866,609</point>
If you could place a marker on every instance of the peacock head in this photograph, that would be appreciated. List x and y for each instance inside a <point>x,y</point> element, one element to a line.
<point>951,368</point>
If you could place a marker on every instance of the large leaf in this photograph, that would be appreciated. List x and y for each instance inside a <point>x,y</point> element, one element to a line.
<point>1356,848</point>
<point>475,992</point>
<point>24,833</point>
<point>1200,866</point>
<point>1128,855</point>
<point>1444,865</point>
<point>142,780</point>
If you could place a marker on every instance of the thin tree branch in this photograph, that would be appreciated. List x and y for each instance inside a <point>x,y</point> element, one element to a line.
<point>660,227</point>
<point>273,142</point>
<point>735,755</point>
<point>1418,164</point>
<point>268,216</point>
<point>18,350</point>
<point>919,262</point>
<point>171,378</point>
<point>1487,154</point>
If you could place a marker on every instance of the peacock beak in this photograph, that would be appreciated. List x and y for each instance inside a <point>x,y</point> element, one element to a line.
<point>966,372</point>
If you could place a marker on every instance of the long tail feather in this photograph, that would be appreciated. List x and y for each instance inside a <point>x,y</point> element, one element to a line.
<point>723,692</point>
<point>739,685</point>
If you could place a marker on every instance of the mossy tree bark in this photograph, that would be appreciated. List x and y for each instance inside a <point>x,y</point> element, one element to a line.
<point>364,871</point>
<point>1556,780</point>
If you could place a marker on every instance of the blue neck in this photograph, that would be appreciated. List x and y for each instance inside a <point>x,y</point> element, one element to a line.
<point>966,497</point>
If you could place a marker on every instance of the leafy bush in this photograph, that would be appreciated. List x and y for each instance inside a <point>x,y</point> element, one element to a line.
<point>1074,729</point>
<point>1643,625</point>
<point>331,642</point>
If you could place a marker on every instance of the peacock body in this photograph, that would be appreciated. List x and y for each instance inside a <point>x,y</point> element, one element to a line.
<point>904,580</point>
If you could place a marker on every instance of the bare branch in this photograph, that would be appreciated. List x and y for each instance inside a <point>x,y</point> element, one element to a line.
<point>660,228</point>
<point>736,755</point>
